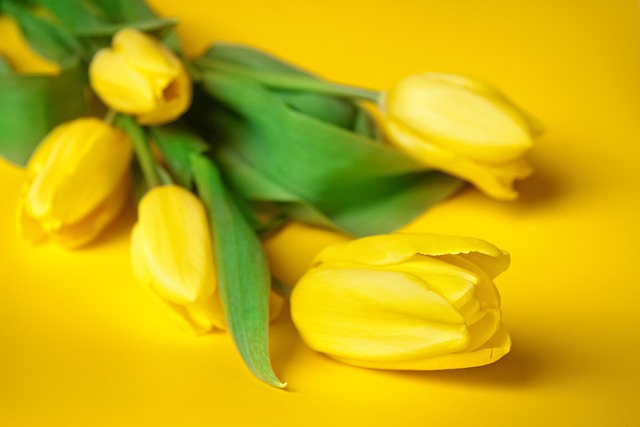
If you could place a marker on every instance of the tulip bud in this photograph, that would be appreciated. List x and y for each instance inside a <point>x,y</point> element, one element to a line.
<point>463,127</point>
<point>405,301</point>
<point>172,253</point>
<point>141,77</point>
<point>77,182</point>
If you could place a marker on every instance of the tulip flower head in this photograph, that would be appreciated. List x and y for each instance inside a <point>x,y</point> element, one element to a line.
<point>141,77</point>
<point>77,182</point>
<point>404,301</point>
<point>172,253</point>
<point>463,127</point>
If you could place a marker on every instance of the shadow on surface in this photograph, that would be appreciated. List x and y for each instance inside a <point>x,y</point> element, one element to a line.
<point>119,229</point>
<point>513,370</point>
<point>545,186</point>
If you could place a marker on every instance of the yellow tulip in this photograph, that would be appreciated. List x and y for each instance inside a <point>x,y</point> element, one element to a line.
<point>140,76</point>
<point>22,58</point>
<point>77,182</point>
<point>463,127</point>
<point>404,301</point>
<point>171,252</point>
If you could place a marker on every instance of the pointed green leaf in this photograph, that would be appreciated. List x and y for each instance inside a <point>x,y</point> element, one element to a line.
<point>270,152</point>
<point>243,272</point>
<point>338,111</point>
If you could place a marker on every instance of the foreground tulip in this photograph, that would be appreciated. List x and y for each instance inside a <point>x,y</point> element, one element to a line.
<point>463,127</point>
<point>172,253</point>
<point>77,182</point>
<point>140,76</point>
<point>405,301</point>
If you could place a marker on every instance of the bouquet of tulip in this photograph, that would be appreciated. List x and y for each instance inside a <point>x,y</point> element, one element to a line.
<point>100,104</point>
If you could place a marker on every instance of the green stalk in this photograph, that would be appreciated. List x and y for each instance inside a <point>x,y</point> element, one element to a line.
<point>291,82</point>
<point>141,148</point>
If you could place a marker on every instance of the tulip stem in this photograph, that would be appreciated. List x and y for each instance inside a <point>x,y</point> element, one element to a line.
<point>292,82</point>
<point>141,148</point>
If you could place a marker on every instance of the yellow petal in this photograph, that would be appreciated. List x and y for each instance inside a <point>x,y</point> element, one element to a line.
<point>491,351</point>
<point>173,101</point>
<point>374,315</point>
<point>144,52</point>
<point>496,180</point>
<point>86,162</point>
<point>120,86</point>
<point>85,230</point>
<point>484,89</point>
<point>484,328</point>
<point>141,77</point>
<point>454,283</point>
<point>396,248</point>
<point>178,315</point>
<point>479,127</point>
<point>177,244</point>
<point>207,314</point>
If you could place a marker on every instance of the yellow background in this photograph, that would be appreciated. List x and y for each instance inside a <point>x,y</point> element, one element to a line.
<point>82,345</point>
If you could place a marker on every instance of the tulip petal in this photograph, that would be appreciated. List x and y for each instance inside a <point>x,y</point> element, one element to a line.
<point>174,99</point>
<point>375,315</point>
<point>496,180</point>
<point>392,249</point>
<point>121,87</point>
<point>480,127</point>
<point>180,317</point>
<point>491,351</point>
<point>82,232</point>
<point>143,52</point>
<point>485,289</point>
<point>456,284</point>
<point>198,318</point>
<point>207,314</point>
<point>177,244</point>
<point>84,166</point>
<point>140,76</point>
<point>482,329</point>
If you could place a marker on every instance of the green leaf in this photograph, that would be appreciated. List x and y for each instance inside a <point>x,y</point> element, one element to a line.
<point>336,110</point>
<point>318,172</point>
<point>125,10</point>
<point>176,145</point>
<point>77,15</point>
<point>108,30</point>
<point>31,106</point>
<point>50,40</point>
<point>243,272</point>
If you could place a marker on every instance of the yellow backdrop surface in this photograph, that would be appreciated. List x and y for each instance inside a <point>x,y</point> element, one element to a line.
<point>81,344</point>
